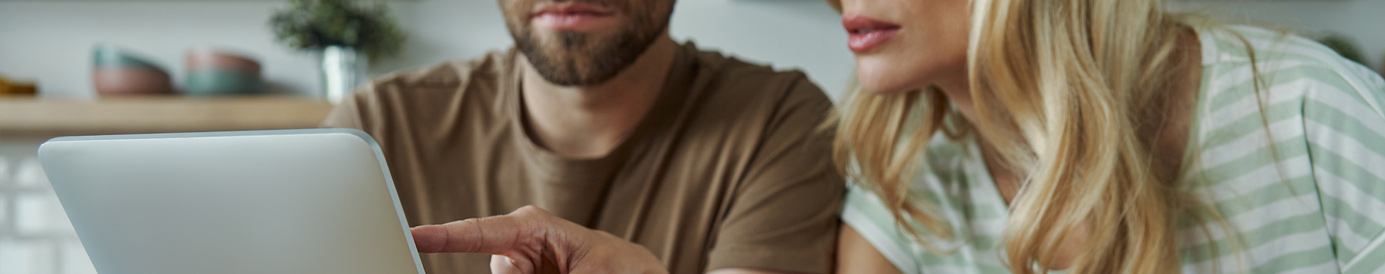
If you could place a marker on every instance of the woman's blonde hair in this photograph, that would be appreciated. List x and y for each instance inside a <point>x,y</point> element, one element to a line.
<point>1063,90</point>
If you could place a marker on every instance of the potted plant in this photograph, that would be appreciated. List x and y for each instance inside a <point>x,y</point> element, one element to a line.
<point>346,35</point>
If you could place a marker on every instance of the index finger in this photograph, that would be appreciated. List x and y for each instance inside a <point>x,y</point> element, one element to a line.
<point>490,235</point>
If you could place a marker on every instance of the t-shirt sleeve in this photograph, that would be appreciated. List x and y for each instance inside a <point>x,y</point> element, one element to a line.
<point>1345,132</point>
<point>784,215</point>
<point>866,214</point>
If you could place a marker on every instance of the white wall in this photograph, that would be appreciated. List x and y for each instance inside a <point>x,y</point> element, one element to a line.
<point>51,41</point>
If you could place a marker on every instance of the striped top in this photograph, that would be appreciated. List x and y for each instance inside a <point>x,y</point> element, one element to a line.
<point>1304,192</point>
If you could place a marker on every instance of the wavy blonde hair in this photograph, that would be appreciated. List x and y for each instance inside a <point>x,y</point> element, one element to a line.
<point>1062,89</point>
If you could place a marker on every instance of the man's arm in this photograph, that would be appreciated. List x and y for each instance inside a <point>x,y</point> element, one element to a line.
<point>530,240</point>
<point>747,271</point>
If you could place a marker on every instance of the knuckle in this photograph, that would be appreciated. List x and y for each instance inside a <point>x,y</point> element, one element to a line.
<point>604,234</point>
<point>530,210</point>
<point>471,229</point>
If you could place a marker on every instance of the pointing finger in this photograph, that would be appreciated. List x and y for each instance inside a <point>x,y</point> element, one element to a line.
<point>497,235</point>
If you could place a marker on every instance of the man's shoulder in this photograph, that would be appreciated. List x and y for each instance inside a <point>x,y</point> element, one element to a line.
<point>741,96</point>
<point>728,76</point>
<point>732,71</point>
<point>441,90</point>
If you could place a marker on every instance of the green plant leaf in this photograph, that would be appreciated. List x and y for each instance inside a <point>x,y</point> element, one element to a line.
<point>310,25</point>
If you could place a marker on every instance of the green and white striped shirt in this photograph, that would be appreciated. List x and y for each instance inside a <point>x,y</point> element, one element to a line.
<point>1304,192</point>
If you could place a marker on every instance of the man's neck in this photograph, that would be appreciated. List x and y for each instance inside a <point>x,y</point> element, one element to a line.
<point>589,122</point>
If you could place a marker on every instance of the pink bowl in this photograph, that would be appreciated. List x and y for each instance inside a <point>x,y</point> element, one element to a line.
<point>209,58</point>
<point>131,81</point>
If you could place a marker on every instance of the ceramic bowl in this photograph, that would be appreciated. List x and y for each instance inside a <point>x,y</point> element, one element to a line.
<point>131,81</point>
<point>120,72</point>
<point>219,72</point>
<point>220,82</point>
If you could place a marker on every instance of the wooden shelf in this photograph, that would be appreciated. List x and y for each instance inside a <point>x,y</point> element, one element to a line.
<point>34,117</point>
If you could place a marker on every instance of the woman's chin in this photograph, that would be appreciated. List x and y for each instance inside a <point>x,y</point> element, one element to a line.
<point>879,77</point>
<point>878,88</point>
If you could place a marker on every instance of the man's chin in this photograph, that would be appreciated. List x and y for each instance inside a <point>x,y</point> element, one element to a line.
<point>567,79</point>
<point>563,69</point>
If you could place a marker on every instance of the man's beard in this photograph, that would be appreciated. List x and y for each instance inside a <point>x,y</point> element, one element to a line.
<point>570,58</point>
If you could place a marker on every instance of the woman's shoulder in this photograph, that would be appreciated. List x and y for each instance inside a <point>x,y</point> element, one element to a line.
<point>952,184</point>
<point>1252,73</point>
<point>1290,138</point>
<point>1235,52</point>
<point>1243,43</point>
<point>1268,97</point>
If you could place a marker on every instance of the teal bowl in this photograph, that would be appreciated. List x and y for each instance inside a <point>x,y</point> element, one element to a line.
<point>212,82</point>
<point>108,56</point>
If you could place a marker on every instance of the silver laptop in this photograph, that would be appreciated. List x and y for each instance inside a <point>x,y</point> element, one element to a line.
<point>279,201</point>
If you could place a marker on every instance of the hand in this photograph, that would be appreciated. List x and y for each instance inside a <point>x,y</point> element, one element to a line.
<point>530,240</point>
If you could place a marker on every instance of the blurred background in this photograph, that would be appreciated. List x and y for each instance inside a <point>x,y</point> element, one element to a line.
<point>70,67</point>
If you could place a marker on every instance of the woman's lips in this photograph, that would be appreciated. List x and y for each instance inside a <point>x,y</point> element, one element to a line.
<point>867,33</point>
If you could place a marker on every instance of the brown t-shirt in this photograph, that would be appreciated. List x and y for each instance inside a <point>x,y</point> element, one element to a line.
<point>726,170</point>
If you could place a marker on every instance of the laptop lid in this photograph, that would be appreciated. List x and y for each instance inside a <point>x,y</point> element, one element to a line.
<point>278,201</point>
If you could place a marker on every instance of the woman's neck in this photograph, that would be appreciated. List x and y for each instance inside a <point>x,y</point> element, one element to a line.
<point>958,92</point>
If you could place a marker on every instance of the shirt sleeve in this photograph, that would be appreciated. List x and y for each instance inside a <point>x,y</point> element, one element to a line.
<point>784,214</point>
<point>866,214</point>
<point>1345,131</point>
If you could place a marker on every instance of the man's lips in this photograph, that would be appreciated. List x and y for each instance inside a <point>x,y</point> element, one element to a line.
<point>571,16</point>
<point>867,33</point>
<point>570,8</point>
